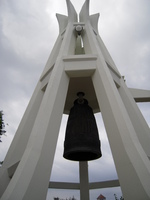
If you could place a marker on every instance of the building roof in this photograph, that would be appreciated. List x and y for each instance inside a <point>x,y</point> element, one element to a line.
<point>101,197</point>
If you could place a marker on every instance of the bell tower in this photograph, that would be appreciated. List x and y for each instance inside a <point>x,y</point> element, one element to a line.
<point>78,62</point>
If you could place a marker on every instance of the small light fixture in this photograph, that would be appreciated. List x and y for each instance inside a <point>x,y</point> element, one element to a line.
<point>79,29</point>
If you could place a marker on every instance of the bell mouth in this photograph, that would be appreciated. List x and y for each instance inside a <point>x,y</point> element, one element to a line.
<point>82,149</point>
<point>83,155</point>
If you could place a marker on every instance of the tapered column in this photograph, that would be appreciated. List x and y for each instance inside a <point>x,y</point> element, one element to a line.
<point>137,119</point>
<point>31,178</point>
<point>132,164</point>
<point>21,138</point>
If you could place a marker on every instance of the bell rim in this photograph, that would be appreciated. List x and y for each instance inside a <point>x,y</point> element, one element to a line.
<point>70,155</point>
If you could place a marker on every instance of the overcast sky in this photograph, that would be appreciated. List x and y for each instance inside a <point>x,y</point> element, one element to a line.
<point>28,30</point>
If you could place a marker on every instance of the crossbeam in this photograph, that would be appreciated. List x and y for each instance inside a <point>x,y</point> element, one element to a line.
<point>76,186</point>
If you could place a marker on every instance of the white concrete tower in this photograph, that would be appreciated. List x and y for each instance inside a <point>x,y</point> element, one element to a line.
<point>79,61</point>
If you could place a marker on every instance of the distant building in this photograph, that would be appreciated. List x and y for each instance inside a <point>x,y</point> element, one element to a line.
<point>57,198</point>
<point>101,197</point>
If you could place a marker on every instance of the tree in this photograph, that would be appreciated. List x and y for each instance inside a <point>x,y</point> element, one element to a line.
<point>116,198</point>
<point>2,125</point>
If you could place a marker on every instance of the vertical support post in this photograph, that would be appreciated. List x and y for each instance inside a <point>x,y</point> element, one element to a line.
<point>21,138</point>
<point>127,151</point>
<point>121,128</point>
<point>30,181</point>
<point>138,121</point>
<point>84,180</point>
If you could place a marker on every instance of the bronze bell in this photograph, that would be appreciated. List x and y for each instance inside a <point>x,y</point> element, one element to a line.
<point>81,141</point>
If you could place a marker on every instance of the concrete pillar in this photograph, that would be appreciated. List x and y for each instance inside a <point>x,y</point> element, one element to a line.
<point>84,180</point>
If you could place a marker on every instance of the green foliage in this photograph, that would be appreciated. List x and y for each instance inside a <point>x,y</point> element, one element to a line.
<point>57,198</point>
<point>2,125</point>
<point>116,198</point>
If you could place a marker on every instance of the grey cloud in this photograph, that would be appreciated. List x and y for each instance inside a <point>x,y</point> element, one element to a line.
<point>28,31</point>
